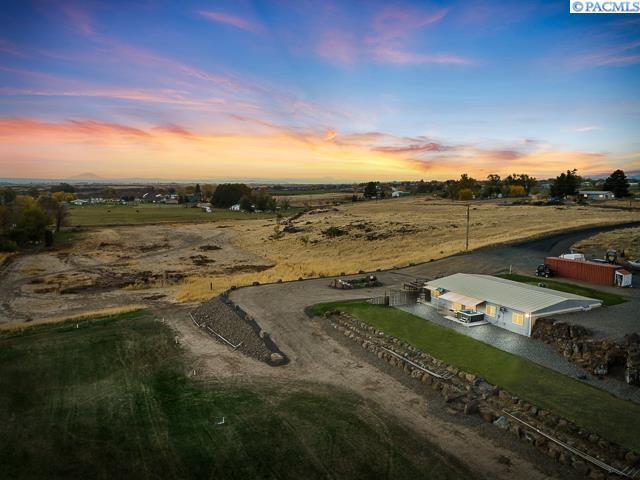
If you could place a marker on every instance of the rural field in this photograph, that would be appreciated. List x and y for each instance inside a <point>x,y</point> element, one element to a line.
<point>625,240</point>
<point>99,267</point>
<point>118,401</point>
<point>99,215</point>
<point>384,234</point>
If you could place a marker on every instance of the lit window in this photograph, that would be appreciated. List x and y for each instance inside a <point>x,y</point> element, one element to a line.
<point>456,307</point>
<point>490,310</point>
<point>517,318</point>
<point>435,293</point>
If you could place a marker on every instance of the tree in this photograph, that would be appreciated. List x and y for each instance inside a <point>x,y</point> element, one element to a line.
<point>63,196</point>
<point>207,191</point>
<point>565,184</point>
<point>55,209</point>
<point>246,204</point>
<point>229,194</point>
<point>492,187</point>
<point>465,194</point>
<point>371,190</point>
<point>7,196</point>
<point>517,191</point>
<point>522,179</point>
<point>618,184</point>
<point>198,191</point>
<point>285,204</point>
<point>63,187</point>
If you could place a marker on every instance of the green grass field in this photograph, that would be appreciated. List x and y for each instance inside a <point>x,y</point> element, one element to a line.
<point>97,215</point>
<point>110,399</point>
<point>607,298</point>
<point>587,406</point>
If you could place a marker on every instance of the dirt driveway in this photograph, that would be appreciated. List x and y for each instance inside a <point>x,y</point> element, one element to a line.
<point>316,356</point>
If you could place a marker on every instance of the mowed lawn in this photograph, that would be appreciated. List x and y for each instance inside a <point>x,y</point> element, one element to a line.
<point>97,215</point>
<point>111,399</point>
<point>587,406</point>
<point>606,297</point>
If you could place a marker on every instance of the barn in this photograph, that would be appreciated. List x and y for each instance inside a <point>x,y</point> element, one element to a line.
<point>507,304</point>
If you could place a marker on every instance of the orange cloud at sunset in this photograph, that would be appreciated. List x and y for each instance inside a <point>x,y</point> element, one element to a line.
<point>173,152</point>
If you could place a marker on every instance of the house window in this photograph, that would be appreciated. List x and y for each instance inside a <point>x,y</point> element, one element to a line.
<point>517,318</point>
<point>490,310</point>
<point>435,293</point>
<point>456,307</point>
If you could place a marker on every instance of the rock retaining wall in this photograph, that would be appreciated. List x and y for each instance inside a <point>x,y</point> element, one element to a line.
<point>466,394</point>
<point>597,356</point>
<point>225,318</point>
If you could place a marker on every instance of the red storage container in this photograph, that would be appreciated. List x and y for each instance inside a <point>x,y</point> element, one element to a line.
<point>592,272</point>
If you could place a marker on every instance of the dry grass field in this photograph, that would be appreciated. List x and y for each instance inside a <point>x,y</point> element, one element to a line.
<point>627,239</point>
<point>384,234</point>
<point>316,198</point>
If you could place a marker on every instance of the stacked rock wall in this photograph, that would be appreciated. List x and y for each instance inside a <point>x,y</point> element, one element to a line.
<point>466,394</point>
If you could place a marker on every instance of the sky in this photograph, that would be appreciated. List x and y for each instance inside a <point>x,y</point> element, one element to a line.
<point>315,91</point>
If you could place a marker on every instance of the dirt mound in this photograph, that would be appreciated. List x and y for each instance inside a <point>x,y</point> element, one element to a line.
<point>230,325</point>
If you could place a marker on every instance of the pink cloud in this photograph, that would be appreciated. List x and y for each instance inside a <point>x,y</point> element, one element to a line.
<point>234,21</point>
<point>394,23</point>
<point>399,57</point>
<point>337,45</point>
<point>386,39</point>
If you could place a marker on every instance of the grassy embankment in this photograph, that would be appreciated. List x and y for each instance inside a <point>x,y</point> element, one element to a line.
<point>606,297</point>
<point>587,406</point>
<point>97,215</point>
<point>110,399</point>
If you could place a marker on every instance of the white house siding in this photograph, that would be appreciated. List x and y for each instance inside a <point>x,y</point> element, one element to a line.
<point>504,319</point>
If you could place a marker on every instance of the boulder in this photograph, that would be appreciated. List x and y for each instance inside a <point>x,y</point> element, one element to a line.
<point>276,358</point>
<point>502,423</point>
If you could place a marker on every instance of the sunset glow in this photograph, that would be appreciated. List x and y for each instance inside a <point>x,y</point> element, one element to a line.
<point>314,91</point>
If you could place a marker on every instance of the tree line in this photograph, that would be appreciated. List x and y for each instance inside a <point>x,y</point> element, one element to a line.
<point>25,219</point>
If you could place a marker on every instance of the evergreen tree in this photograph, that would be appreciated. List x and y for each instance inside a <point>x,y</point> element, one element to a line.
<point>566,184</point>
<point>618,184</point>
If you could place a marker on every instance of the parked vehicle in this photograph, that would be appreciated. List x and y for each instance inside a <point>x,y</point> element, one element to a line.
<point>574,256</point>
<point>635,264</point>
<point>544,271</point>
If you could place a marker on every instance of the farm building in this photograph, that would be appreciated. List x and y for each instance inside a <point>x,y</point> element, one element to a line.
<point>511,305</point>
<point>596,194</point>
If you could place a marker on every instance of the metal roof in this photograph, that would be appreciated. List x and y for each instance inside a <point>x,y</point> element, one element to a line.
<point>515,295</point>
<point>461,299</point>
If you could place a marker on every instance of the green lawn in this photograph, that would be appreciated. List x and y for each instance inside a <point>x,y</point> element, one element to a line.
<point>607,298</point>
<point>593,409</point>
<point>110,399</point>
<point>96,215</point>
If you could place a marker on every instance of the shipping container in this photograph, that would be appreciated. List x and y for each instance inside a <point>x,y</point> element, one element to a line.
<point>592,272</point>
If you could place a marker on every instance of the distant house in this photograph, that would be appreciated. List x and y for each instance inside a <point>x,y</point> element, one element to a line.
<point>79,202</point>
<point>235,208</point>
<point>399,193</point>
<point>596,194</point>
<point>507,304</point>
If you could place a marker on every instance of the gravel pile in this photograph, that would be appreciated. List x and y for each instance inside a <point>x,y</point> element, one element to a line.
<point>218,317</point>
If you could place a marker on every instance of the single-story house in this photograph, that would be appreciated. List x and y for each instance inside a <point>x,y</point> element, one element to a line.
<point>235,208</point>
<point>596,194</point>
<point>79,202</point>
<point>507,304</point>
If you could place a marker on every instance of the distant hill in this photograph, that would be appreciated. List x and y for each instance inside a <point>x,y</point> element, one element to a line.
<point>86,176</point>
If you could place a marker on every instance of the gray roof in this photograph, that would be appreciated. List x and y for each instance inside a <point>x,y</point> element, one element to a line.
<point>515,295</point>
<point>595,192</point>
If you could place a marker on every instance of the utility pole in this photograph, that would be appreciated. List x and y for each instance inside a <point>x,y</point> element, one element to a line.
<point>466,245</point>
